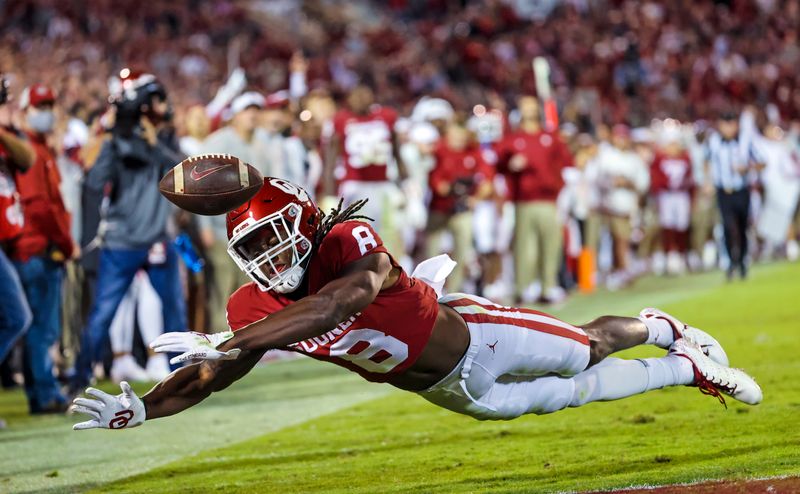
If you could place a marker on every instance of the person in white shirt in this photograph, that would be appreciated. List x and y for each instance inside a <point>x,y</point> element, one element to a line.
<point>287,157</point>
<point>623,177</point>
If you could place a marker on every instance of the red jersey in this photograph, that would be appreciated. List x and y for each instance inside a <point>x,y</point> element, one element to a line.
<point>367,145</point>
<point>541,179</point>
<point>462,170</point>
<point>671,173</point>
<point>382,340</point>
<point>46,219</point>
<point>11,219</point>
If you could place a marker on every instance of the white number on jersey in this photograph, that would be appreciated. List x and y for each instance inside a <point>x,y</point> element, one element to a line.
<point>364,238</point>
<point>370,349</point>
<point>368,143</point>
<point>675,170</point>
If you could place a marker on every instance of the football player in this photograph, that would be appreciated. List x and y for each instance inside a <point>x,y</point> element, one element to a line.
<point>365,144</point>
<point>324,285</point>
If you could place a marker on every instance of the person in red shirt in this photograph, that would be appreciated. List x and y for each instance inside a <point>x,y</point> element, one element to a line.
<point>459,178</point>
<point>532,158</point>
<point>325,286</point>
<point>15,155</point>
<point>365,150</point>
<point>671,182</point>
<point>40,251</point>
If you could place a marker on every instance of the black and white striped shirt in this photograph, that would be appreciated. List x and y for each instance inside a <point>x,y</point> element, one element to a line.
<point>725,156</point>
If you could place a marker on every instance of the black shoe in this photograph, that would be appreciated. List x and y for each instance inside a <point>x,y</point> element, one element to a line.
<point>743,271</point>
<point>729,274</point>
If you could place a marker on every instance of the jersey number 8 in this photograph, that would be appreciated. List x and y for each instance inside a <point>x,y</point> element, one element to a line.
<point>370,349</point>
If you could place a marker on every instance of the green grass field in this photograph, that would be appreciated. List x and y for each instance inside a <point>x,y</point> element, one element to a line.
<point>304,426</point>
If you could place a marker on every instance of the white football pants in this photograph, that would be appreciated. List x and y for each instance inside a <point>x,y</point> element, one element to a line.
<point>523,361</point>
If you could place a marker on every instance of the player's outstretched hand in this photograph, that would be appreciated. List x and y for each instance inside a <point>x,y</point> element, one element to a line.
<point>107,411</point>
<point>192,345</point>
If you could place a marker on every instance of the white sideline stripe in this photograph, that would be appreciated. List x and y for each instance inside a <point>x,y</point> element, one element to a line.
<point>639,487</point>
<point>472,309</point>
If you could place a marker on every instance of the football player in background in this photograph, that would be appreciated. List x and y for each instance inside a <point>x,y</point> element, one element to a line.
<point>671,181</point>
<point>324,285</point>
<point>365,142</point>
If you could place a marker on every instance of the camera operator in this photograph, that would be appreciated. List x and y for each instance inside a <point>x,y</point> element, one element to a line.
<point>40,251</point>
<point>134,236</point>
<point>459,178</point>
<point>16,155</point>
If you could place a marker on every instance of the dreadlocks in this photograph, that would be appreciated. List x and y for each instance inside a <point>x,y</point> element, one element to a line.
<point>339,215</point>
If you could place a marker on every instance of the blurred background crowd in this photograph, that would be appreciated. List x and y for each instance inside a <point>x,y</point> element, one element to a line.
<point>663,140</point>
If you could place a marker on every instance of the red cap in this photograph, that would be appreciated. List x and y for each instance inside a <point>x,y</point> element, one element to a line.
<point>36,95</point>
<point>279,99</point>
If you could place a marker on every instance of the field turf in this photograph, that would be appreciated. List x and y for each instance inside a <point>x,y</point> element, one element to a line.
<point>303,426</point>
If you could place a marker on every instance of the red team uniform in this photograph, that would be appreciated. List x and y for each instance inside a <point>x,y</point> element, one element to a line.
<point>671,182</point>
<point>366,143</point>
<point>384,339</point>
<point>11,218</point>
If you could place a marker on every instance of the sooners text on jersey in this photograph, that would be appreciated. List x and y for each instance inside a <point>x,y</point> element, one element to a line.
<point>367,145</point>
<point>384,339</point>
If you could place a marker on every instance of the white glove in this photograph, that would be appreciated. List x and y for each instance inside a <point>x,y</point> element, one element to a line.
<point>194,345</point>
<point>123,411</point>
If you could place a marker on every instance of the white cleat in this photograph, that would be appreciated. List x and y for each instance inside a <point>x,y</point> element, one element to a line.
<point>715,379</point>
<point>707,343</point>
<point>125,368</point>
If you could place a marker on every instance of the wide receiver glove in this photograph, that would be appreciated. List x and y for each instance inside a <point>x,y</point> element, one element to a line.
<point>123,411</point>
<point>192,345</point>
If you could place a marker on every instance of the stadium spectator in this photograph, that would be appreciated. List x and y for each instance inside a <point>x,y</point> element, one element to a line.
<point>285,152</point>
<point>16,155</point>
<point>132,161</point>
<point>623,177</point>
<point>532,158</point>
<point>196,126</point>
<point>242,137</point>
<point>459,179</point>
<point>731,156</point>
<point>40,251</point>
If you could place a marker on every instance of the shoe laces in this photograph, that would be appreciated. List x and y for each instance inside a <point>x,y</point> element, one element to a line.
<point>708,388</point>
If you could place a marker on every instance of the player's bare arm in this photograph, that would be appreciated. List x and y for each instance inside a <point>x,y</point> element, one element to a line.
<point>182,389</point>
<point>315,314</point>
<point>192,384</point>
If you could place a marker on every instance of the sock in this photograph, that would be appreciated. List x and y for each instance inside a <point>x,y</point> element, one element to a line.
<point>613,379</point>
<point>659,332</point>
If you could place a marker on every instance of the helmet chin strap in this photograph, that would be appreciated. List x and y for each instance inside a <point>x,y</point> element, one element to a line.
<point>290,280</point>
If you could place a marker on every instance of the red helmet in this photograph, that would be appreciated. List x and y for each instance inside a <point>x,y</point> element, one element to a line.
<point>271,237</point>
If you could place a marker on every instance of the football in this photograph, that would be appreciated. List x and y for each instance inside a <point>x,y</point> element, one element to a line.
<point>211,184</point>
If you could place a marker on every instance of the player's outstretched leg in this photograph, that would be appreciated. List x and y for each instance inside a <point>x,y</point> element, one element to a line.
<point>610,334</point>
<point>612,379</point>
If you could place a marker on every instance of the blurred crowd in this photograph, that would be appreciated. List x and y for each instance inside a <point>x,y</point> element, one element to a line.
<point>668,144</point>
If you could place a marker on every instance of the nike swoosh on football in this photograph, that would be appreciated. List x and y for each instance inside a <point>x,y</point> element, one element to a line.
<point>197,176</point>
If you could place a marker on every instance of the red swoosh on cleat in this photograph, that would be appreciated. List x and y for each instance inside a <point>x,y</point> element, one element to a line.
<point>197,176</point>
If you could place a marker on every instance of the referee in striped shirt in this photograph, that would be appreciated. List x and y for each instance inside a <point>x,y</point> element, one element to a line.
<point>730,157</point>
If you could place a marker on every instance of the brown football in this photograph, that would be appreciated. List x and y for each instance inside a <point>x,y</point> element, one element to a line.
<point>211,184</point>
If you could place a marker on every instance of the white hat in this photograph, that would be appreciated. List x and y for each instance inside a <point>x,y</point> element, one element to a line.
<point>246,100</point>
<point>423,133</point>
<point>428,109</point>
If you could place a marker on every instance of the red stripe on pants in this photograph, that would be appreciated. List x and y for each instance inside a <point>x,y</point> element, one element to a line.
<point>525,323</point>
